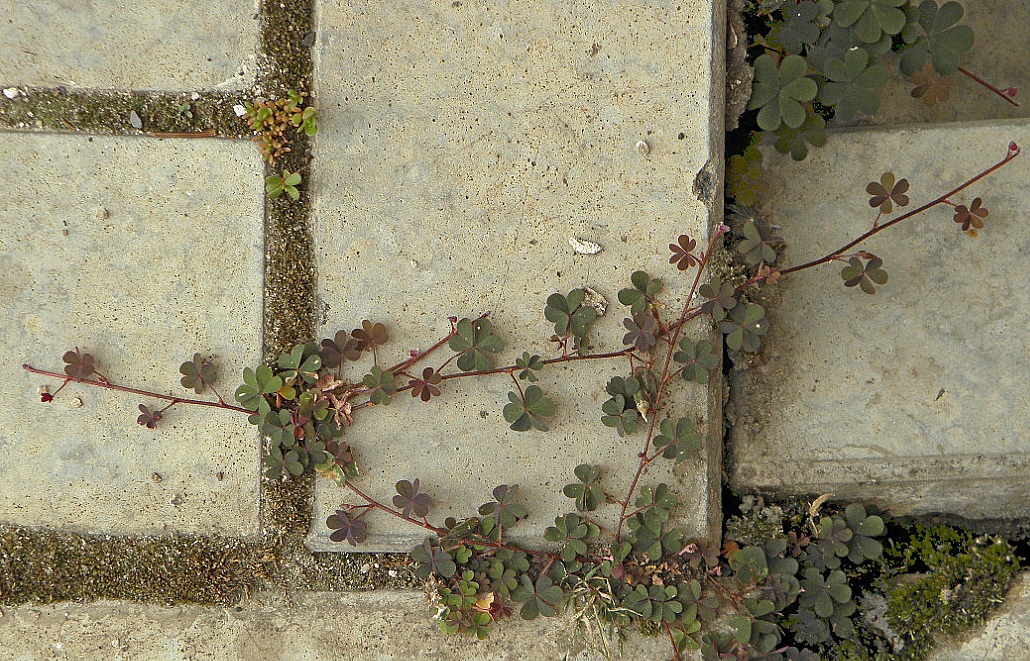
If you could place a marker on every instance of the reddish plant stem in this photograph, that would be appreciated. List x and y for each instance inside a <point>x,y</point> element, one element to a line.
<point>442,532</point>
<point>664,381</point>
<point>1002,93</point>
<point>672,641</point>
<point>876,230</point>
<point>561,359</point>
<point>146,393</point>
<point>405,364</point>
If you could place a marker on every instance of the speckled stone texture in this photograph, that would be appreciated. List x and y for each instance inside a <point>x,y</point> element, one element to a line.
<point>914,398</point>
<point>315,626</point>
<point>107,44</point>
<point>460,147</point>
<point>140,252</point>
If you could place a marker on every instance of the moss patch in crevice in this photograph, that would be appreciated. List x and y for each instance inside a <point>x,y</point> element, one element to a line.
<point>108,112</point>
<point>43,566</point>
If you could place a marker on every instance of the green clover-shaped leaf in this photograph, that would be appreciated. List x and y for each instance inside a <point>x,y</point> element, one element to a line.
<point>382,384</point>
<point>821,594</point>
<point>871,18</point>
<point>541,598</point>
<point>746,181</point>
<point>941,39</point>
<point>853,81</point>
<point>620,414</point>
<point>504,509</point>
<point>862,546</point>
<point>800,25</point>
<point>721,298</point>
<point>433,560</point>
<point>677,438</point>
<point>837,40</point>
<point>754,247</point>
<point>644,290</point>
<point>745,327</point>
<point>197,374</point>
<point>569,315</point>
<point>641,333</point>
<point>530,410</point>
<point>587,493</point>
<point>530,365</point>
<point>780,90</point>
<point>475,341</point>
<point>303,362</point>
<point>572,532</point>
<point>795,141</point>
<point>864,275</point>
<point>697,360</point>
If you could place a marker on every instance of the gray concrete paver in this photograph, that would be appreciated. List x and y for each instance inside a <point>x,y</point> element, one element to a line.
<point>109,44</point>
<point>459,149</point>
<point>914,398</point>
<point>140,252</point>
<point>380,626</point>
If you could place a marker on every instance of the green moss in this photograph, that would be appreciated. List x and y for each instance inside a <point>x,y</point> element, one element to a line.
<point>107,112</point>
<point>43,566</point>
<point>958,579</point>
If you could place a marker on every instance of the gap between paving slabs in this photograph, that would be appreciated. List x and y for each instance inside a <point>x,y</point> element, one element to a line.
<point>89,562</point>
<point>285,508</point>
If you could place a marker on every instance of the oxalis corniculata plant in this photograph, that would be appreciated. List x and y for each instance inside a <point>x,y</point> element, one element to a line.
<point>641,571</point>
<point>823,61</point>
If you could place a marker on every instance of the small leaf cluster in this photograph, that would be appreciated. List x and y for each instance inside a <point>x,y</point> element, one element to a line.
<point>802,581</point>
<point>302,406</point>
<point>571,316</point>
<point>823,58</point>
<point>276,185</point>
<point>270,120</point>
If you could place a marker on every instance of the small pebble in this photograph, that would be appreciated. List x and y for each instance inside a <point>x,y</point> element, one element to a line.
<point>76,402</point>
<point>239,110</point>
<point>100,213</point>
<point>156,477</point>
<point>393,573</point>
<point>195,96</point>
<point>584,247</point>
<point>643,148</point>
<point>134,120</point>
<point>596,301</point>
<point>10,92</point>
<point>365,568</point>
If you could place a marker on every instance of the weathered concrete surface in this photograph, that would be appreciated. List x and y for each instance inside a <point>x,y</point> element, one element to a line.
<point>1005,636</point>
<point>1000,32</point>
<point>135,45</point>
<point>459,149</point>
<point>140,252</point>
<point>914,398</point>
<point>378,626</point>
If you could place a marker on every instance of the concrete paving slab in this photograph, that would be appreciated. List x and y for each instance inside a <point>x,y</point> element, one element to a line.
<point>379,626</point>
<point>914,398</point>
<point>163,45</point>
<point>1005,636</point>
<point>459,149</point>
<point>140,252</point>
<point>998,56</point>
